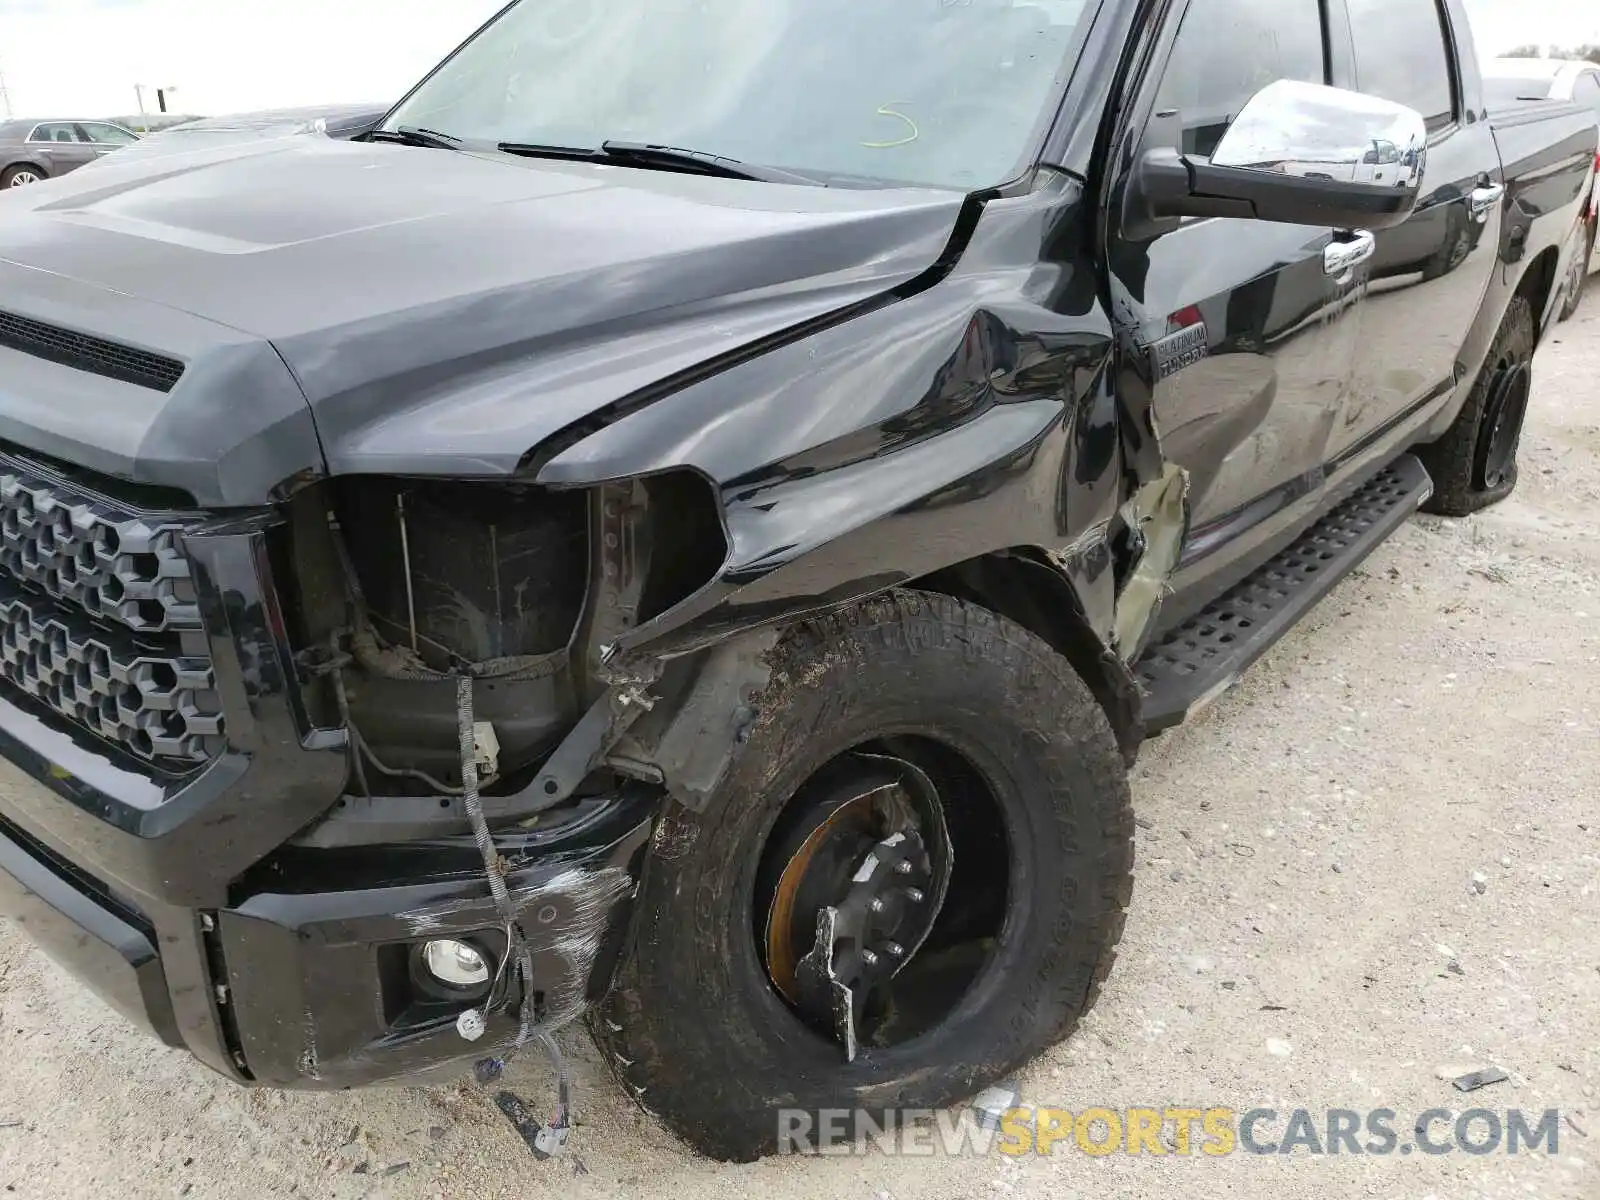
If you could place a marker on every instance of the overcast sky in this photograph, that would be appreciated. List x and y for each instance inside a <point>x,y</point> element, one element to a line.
<point>84,56</point>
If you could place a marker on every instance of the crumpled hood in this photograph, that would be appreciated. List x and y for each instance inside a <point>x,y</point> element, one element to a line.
<point>434,304</point>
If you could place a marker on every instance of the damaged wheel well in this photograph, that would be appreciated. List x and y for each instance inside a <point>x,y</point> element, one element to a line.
<point>1539,282</point>
<point>1031,593</point>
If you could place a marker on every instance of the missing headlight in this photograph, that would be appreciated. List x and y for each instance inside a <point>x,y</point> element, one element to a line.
<point>472,572</point>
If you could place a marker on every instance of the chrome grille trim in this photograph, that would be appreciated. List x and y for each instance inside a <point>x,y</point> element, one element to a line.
<point>99,619</point>
<point>108,560</point>
<point>158,705</point>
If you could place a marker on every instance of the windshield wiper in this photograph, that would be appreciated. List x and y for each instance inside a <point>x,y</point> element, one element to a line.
<point>413,135</point>
<point>640,154</point>
<point>712,164</point>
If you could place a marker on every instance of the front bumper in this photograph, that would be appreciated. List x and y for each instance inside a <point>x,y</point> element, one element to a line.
<point>187,903</point>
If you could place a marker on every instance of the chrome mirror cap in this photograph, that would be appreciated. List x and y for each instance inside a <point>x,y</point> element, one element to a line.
<point>1315,132</point>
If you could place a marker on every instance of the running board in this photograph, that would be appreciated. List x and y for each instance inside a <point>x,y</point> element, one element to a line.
<point>1204,657</point>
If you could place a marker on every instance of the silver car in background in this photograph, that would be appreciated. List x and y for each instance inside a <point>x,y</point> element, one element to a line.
<point>339,121</point>
<point>31,151</point>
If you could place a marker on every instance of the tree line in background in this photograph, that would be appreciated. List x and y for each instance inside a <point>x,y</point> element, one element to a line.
<point>1592,53</point>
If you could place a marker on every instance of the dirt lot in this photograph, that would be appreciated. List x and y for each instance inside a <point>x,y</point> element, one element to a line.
<point>1378,857</point>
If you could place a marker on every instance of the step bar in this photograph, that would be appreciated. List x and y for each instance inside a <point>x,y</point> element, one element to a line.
<point>1205,656</point>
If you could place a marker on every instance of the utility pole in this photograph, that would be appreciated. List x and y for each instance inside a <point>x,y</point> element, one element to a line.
<point>5,96</point>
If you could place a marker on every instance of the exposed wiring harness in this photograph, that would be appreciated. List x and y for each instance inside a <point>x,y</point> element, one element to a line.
<point>367,649</point>
<point>330,662</point>
<point>552,1137</point>
<point>545,1140</point>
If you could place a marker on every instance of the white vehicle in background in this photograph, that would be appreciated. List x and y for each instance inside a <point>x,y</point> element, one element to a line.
<point>1510,82</point>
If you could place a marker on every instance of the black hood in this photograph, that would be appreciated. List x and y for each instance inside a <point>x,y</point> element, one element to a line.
<point>440,311</point>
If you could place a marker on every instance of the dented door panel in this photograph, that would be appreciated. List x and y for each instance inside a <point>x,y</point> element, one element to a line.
<point>1251,410</point>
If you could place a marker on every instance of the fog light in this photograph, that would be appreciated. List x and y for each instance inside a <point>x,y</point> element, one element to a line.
<point>456,963</point>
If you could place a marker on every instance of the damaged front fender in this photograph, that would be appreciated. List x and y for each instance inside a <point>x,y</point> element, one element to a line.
<point>979,419</point>
<point>961,420</point>
<point>1158,519</point>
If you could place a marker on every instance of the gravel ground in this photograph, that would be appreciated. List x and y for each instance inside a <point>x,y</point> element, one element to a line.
<point>1376,858</point>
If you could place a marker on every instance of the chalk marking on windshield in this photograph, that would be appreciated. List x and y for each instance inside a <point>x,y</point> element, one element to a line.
<point>888,110</point>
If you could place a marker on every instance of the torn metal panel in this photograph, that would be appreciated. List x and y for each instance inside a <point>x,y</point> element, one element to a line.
<point>690,749</point>
<point>1089,562</point>
<point>1090,566</point>
<point>821,987</point>
<point>1159,517</point>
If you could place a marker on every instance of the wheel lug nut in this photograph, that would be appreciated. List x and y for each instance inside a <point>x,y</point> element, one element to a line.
<point>903,867</point>
<point>914,895</point>
<point>876,905</point>
<point>896,950</point>
<point>868,957</point>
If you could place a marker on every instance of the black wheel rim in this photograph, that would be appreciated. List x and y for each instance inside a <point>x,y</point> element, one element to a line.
<point>851,916</point>
<point>1503,416</point>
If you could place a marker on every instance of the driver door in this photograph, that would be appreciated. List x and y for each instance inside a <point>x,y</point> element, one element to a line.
<point>1250,332</point>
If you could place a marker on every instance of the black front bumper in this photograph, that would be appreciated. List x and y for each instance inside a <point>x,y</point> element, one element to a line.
<point>114,952</point>
<point>187,903</point>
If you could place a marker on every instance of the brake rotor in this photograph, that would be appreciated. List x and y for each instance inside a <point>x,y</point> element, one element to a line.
<point>861,875</point>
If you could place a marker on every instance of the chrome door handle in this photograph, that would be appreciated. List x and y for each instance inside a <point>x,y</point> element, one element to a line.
<point>1342,257</point>
<point>1484,200</point>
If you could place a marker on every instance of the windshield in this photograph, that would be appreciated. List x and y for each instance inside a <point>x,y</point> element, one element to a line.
<point>941,92</point>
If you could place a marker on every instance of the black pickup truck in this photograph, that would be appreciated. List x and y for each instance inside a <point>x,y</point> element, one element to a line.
<point>687,521</point>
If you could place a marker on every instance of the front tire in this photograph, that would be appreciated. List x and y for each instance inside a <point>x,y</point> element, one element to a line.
<point>1039,815</point>
<point>1474,464</point>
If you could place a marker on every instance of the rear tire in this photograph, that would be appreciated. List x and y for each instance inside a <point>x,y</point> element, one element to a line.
<point>1474,464</point>
<point>21,175</point>
<point>695,1028</point>
<point>1580,273</point>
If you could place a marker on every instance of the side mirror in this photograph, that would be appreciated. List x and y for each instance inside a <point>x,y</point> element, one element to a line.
<point>1299,154</point>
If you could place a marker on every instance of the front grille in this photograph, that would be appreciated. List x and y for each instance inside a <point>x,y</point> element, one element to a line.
<point>92,354</point>
<point>98,617</point>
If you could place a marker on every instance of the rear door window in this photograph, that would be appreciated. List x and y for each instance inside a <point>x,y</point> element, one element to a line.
<point>1402,55</point>
<point>54,132</point>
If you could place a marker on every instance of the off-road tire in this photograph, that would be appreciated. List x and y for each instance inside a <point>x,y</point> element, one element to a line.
<point>692,1027</point>
<point>1453,459</point>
